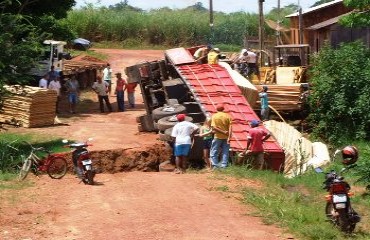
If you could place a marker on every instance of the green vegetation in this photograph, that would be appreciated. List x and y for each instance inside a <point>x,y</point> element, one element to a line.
<point>25,25</point>
<point>166,27</point>
<point>297,204</point>
<point>13,149</point>
<point>341,93</point>
<point>360,17</point>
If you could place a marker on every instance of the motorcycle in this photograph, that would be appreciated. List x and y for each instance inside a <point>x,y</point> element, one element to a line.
<point>82,161</point>
<point>338,208</point>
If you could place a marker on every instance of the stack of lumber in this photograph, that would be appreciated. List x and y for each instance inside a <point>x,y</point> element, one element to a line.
<point>249,91</point>
<point>28,106</point>
<point>283,97</point>
<point>299,151</point>
<point>79,65</point>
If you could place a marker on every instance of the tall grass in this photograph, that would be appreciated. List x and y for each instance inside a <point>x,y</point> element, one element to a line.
<point>162,27</point>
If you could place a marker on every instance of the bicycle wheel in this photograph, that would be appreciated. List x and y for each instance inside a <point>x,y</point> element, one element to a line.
<point>25,169</point>
<point>57,168</point>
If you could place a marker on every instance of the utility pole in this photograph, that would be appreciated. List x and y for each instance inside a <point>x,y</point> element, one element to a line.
<point>261,27</point>
<point>211,21</point>
<point>278,24</point>
<point>300,27</point>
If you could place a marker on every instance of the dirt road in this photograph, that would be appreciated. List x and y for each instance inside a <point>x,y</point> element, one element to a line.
<point>125,206</point>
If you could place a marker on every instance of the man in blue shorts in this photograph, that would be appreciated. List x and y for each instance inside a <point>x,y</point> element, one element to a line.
<point>72,89</point>
<point>182,134</point>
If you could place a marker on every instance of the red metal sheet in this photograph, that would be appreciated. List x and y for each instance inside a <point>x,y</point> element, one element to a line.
<point>211,85</point>
<point>178,56</point>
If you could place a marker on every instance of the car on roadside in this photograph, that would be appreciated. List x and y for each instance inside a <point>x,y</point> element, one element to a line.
<point>81,44</point>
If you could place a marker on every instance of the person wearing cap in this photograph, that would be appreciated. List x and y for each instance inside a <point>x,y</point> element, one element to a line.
<point>182,134</point>
<point>252,60</point>
<point>221,125</point>
<point>201,54</point>
<point>121,86</point>
<point>256,137</point>
<point>213,56</point>
<point>102,88</point>
<point>264,103</point>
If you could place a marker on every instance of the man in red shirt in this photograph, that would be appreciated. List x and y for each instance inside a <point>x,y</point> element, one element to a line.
<point>131,93</point>
<point>255,138</point>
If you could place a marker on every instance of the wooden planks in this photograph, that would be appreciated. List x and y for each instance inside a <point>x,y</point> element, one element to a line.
<point>283,97</point>
<point>80,65</point>
<point>28,106</point>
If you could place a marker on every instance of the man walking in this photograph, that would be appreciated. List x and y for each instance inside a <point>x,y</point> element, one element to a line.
<point>255,138</point>
<point>72,87</point>
<point>221,125</point>
<point>101,88</point>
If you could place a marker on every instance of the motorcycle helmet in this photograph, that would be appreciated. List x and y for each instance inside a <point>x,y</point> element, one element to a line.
<point>349,155</point>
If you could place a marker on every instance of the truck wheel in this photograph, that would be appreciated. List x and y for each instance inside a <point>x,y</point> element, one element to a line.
<point>162,112</point>
<point>165,136</point>
<point>170,121</point>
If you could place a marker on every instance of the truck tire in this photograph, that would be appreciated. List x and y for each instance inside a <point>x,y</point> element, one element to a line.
<point>170,121</point>
<point>161,112</point>
<point>165,135</point>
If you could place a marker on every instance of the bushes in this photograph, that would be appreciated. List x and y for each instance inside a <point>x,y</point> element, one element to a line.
<point>340,93</point>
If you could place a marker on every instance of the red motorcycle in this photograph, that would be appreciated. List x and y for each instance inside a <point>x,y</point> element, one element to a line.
<point>82,161</point>
<point>338,205</point>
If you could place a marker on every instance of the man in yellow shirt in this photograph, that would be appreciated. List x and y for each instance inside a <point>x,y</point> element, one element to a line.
<point>221,125</point>
<point>213,56</point>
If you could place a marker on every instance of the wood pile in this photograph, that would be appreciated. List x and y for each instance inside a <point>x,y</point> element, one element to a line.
<point>79,65</point>
<point>283,97</point>
<point>299,151</point>
<point>28,106</point>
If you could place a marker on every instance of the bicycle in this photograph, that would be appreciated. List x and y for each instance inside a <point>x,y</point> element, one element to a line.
<point>54,164</point>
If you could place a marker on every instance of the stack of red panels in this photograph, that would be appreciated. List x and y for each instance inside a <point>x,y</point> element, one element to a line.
<point>211,85</point>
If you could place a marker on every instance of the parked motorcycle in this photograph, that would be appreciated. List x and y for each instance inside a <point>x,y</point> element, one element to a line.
<point>338,205</point>
<point>82,161</point>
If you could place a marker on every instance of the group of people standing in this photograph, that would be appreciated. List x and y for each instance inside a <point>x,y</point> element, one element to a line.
<point>216,133</point>
<point>103,88</point>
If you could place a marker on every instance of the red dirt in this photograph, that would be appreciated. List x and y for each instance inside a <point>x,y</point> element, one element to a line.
<point>131,205</point>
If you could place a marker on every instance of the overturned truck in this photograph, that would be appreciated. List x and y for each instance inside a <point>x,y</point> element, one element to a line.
<point>177,84</point>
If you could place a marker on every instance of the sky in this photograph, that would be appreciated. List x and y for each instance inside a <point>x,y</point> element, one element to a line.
<point>226,6</point>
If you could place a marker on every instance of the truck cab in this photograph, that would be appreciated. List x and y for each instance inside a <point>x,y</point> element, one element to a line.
<point>53,56</point>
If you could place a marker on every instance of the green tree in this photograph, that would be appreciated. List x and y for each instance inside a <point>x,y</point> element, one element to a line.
<point>360,17</point>
<point>58,9</point>
<point>123,5</point>
<point>20,48</point>
<point>341,92</point>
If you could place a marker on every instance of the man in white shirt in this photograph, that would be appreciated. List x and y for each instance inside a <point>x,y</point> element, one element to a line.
<point>55,85</point>
<point>182,133</point>
<point>43,83</point>
<point>252,64</point>
<point>102,88</point>
<point>107,77</point>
